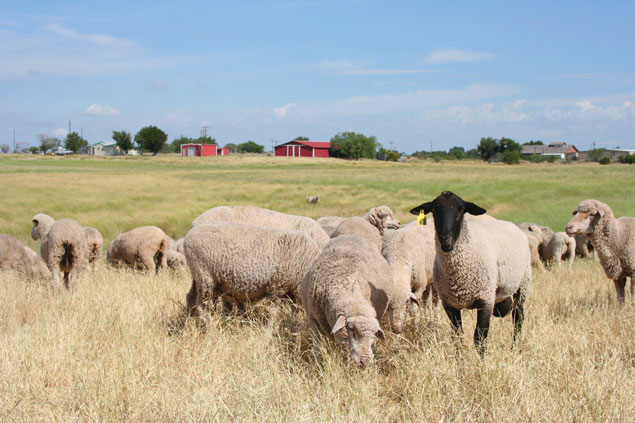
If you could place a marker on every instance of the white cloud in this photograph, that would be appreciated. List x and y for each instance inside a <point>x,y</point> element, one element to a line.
<point>347,67</point>
<point>99,110</point>
<point>453,55</point>
<point>96,39</point>
<point>283,111</point>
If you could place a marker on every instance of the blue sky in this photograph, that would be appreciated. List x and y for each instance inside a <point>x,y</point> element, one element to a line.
<point>414,74</point>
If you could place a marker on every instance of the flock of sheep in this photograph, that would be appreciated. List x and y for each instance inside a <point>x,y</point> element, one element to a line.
<point>348,273</point>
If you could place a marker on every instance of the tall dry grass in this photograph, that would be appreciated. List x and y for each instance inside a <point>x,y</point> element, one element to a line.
<point>119,349</point>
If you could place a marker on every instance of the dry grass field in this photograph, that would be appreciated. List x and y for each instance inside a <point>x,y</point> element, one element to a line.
<point>118,349</point>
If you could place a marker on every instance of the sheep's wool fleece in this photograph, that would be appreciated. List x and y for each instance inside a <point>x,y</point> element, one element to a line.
<point>265,217</point>
<point>247,261</point>
<point>349,278</point>
<point>490,260</point>
<point>613,239</point>
<point>360,227</point>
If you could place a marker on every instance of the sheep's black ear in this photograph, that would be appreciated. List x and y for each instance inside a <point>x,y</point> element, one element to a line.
<point>473,209</point>
<point>426,207</point>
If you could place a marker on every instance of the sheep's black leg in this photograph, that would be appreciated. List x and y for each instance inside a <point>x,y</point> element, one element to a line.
<point>503,308</point>
<point>483,316</point>
<point>518,314</point>
<point>455,317</point>
<point>620,284</point>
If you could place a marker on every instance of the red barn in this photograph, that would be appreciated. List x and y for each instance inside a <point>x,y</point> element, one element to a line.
<point>298,148</point>
<point>188,150</point>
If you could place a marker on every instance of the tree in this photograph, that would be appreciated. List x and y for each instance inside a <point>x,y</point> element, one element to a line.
<point>48,143</point>
<point>123,140</point>
<point>300,139</point>
<point>389,155</point>
<point>457,152</point>
<point>5,148</point>
<point>74,142</point>
<point>532,142</point>
<point>487,148</point>
<point>151,138</point>
<point>596,154</point>
<point>33,150</point>
<point>350,145</point>
<point>175,145</point>
<point>206,140</point>
<point>508,144</point>
<point>511,157</point>
<point>230,147</point>
<point>250,147</point>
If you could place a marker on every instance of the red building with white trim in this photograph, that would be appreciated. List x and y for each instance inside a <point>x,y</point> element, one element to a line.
<point>189,150</point>
<point>298,148</point>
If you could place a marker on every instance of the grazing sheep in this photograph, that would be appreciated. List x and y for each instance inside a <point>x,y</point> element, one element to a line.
<point>613,240</point>
<point>532,228</point>
<point>179,246</point>
<point>142,248</point>
<point>95,244</point>
<point>16,256</point>
<point>344,294</point>
<point>557,247</point>
<point>583,247</point>
<point>333,221</point>
<point>63,247</point>
<point>478,265</point>
<point>245,262</point>
<point>360,227</point>
<point>382,218</point>
<point>265,217</point>
<point>175,260</point>
<point>409,252</point>
<point>313,199</point>
<point>535,240</point>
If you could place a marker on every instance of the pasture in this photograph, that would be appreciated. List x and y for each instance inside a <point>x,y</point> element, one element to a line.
<point>119,349</point>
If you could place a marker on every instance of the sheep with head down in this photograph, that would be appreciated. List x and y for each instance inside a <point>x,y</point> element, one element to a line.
<point>16,256</point>
<point>484,265</point>
<point>142,248</point>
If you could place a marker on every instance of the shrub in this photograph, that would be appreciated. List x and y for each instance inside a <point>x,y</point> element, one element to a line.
<point>626,158</point>
<point>605,161</point>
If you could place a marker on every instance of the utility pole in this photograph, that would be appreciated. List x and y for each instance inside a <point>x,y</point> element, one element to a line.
<point>69,126</point>
<point>14,147</point>
<point>81,133</point>
<point>204,132</point>
<point>392,146</point>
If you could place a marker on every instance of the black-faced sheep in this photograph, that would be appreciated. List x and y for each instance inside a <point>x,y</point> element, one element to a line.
<point>481,265</point>
<point>345,294</point>
<point>613,240</point>
<point>142,248</point>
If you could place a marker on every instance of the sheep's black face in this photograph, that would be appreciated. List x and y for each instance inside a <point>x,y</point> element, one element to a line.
<point>448,210</point>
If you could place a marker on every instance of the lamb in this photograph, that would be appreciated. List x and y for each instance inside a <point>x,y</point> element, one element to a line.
<point>16,256</point>
<point>613,239</point>
<point>557,247</point>
<point>64,248</point>
<point>245,262</point>
<point>409,252</point>
<point>141,248</point>
<point>344,294</point>
<point>265,217</point>
<point>480,265</point>
<point>95,244</point>
<point>313,199</point>
<point>360,227</point>
<point>175,259</point>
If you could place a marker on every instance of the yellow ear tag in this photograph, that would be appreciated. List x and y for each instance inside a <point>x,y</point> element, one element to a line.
<point>421,219</point>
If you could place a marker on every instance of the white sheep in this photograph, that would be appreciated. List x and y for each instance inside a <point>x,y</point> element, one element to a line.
<point>63,247</point>
<point>265,217</point>
<point>613,240</point>
<point>557,247</point>
<point>535,240</point>
<point>95,243</point>
<point>480,265</point>
<point>175,259</point>
<point>583,247</point>
<point>410,252</point>
<point>358,226</point>
<point>344,294</point>
<point>16,256</point>
<point>313,199</point>
<point>380,217</point>
<point>245,262</point>
<point>142,248</point>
